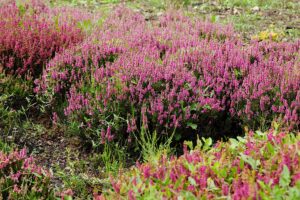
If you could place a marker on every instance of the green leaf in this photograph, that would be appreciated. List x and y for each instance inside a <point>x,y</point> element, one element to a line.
<point>199,144</point>
<point>192,125</point>
<point>178,183</point>
<point>214,18</point>
<point>68,198</point>
<point>259,133</point>
<point>253,163</point>
<point>294,192</point>
<point>207,143</point>
<point>193,107</point>
<point>270,148</point>
<point>223,173</point>
<point>233,143</point>
<point>187,195</point>
<point>211,184</point>
<point>285,177</point>
<point>241,139</point>
<point>177,137</point>
<point>192,181</point>
<point>189,144</point>
<point>207,107</point>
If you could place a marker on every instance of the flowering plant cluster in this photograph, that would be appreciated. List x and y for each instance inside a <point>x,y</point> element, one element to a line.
<point>257,166</point>
<point>21,178</point>
<point>177,72</point>
<point>31,34</point>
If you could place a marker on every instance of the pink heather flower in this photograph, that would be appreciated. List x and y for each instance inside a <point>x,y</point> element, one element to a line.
<point>98,197</point>
<point>173,175</point>
<point>109,136</point>
<point>241,192</point>
<point>296,178</point>
<point>32,38</point>
<point>134,181</point>
<point>4,163</point>
<point>191,188</point>
<point>131,195</point>
<point>15,177</point>
<point>116,187</point>
<point>270,136</point>
<point>146,171</point>
<point>54,118</point>
<point>151,182</point>
<point>203,182</point>
<point>225,189</point>
<point>22,154</point>
<point>17,189</point>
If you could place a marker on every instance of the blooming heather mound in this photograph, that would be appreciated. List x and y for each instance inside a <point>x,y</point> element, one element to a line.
<point>177,72</point>
<point>31,33</point>
<point>259,166</point>
<point>21,178</point>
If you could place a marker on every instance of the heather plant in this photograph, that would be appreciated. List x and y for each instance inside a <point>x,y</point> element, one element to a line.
<point>178,73</point>
<point>21,178</point>
<point>30,35</point>
<point>108,75</point>
<point>269,88</point>
<point>261,165</point>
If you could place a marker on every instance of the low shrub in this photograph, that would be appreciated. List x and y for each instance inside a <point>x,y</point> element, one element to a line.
<point>177,73</point>
<point>270,85</point>
<point>30,34</point>
<point>21,178</point>
<point>257,166</point>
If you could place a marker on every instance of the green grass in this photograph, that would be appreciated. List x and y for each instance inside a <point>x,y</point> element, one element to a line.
<point>248,16</point>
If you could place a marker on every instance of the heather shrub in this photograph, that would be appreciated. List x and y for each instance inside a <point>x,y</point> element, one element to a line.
<point>176,73</point>
<point>21,178</point>
<point>270,86</point>
<point>129,68</point>
<point>30,35</point>
<point>257,166</point>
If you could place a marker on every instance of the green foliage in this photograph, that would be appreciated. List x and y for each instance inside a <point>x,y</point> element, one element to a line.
<point>153,147</point>
<point>113,158</point>
<point>252,3</point>
<point>15,97</point>
<point>285,177</point>
<point>86,3</point>
<point>21,178</point>
<point>4,147</point>
<point>225,170</point>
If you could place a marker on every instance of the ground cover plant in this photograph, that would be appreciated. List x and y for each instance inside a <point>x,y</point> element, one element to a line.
<point>21,178</point>
<point>257,166</point>
<point>91,88</point>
